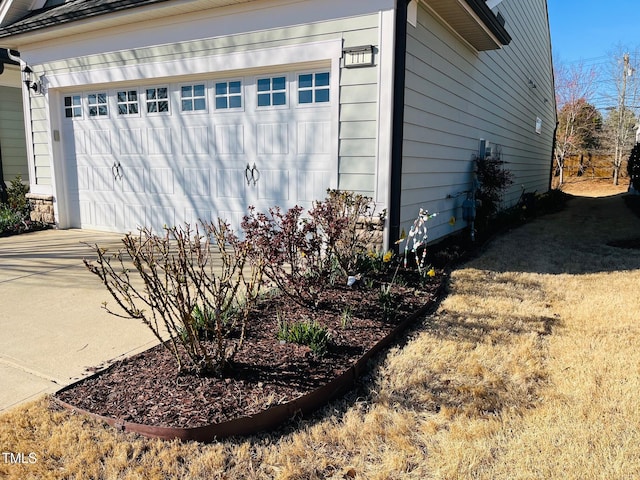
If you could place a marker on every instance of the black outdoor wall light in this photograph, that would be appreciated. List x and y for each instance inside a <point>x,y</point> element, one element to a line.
<point>29,80</point>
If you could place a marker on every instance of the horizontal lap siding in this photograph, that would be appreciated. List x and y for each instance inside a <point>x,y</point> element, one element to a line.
<point>454,96</point>
<point>12,139</point>
<point>358,87</point>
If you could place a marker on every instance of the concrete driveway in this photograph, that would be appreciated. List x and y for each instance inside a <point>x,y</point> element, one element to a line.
<point>51,321</point>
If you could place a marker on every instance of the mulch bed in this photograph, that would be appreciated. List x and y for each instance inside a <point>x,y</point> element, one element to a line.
<point>146,388</point>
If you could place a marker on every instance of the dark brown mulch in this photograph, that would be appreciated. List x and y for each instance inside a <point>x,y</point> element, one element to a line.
<point>146,388</point>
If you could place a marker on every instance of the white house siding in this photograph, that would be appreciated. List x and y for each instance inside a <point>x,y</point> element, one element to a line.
<point>358,89</point>
<point>12,138</point>
<point>455,96</point>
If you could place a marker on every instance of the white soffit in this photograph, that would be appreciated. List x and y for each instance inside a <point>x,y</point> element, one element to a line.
<point>462,20</point>
<point>13,10</point>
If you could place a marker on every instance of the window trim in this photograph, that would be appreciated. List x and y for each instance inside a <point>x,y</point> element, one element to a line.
<point>128,102</point>
<point>147,101</point>
<point>97,116</point>
<point>286,91</point>
<point>72,107</point>
<point>228,109</point>
<point>193,98</point>
<point>313,89</point>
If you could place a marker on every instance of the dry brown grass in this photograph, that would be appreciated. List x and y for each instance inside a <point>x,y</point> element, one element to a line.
<point>528,370</point>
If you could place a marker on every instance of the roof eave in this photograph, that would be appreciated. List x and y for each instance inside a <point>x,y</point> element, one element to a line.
<point>16,37</point>
<point>473,21</point>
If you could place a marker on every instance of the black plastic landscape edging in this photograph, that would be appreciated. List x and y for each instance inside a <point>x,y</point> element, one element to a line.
<point>267,419</point>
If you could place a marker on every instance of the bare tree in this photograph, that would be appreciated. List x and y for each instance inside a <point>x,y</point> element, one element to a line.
<point>577,118</point>
<point>622,118</point>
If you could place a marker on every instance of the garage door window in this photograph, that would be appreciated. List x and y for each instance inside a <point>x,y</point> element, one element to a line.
<point>97,103</point>
<point>272,91</point>
<point>313,88</point>
<point>229,95</point>
<point>193,98</point>
<point>73,106</point>
<point>157,100</point>
<point>128,102</point>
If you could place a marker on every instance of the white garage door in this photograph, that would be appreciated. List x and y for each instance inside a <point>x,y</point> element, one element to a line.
<point>165,154</point>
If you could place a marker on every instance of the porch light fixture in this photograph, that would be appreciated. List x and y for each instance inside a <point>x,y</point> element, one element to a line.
<point>29,80</point>
<point>357,57</point>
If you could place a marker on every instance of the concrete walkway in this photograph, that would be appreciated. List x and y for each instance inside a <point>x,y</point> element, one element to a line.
<point>52,325</point>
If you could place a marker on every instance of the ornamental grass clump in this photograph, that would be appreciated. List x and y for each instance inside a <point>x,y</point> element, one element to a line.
<point>192,285</point>
<point>309,333</point>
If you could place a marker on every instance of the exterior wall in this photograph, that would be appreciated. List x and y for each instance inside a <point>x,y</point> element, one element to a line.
<point>276,24</point>
<point>12,136</point>
<point>455,96</point>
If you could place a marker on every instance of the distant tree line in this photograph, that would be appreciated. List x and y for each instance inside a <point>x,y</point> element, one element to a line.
<point>596,141</point>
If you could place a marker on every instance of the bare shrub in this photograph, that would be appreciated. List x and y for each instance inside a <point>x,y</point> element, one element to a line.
<point>196,284</point>
<point>290,249</point>
<point>302,254</point>
<point>347,225</point>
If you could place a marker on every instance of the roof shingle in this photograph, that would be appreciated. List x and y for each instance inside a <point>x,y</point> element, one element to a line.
<point>70,11</point>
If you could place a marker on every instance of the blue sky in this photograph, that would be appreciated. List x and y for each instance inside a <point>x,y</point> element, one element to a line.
<point>594,33</point>
<point>591,29</point>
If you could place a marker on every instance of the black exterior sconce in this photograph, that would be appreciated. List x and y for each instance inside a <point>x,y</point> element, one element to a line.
<point>30,81</point>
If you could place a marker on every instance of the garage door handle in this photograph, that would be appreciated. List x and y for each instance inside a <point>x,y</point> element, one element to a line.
<point>255,174</point>
<point>116,170</point>
<point>247,174</point>
<point>252,174</point>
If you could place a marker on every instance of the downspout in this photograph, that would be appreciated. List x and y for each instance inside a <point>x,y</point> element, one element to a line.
<point>553,155</point>
<point>14,56</point>
<point>3,186</point>
<point>397,128</point>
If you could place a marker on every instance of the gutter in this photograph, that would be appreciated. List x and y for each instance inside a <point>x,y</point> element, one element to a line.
<point>8,57</point>
<point>490,20</point>
<point>397,128</point>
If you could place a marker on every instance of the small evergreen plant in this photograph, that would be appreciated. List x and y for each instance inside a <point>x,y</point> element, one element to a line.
<point>633,166</point>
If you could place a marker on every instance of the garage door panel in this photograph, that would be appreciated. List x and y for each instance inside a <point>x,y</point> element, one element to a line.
<point>86,213</point>
<point>105,214</point>
<point>229,140</point>
<point>79,143</point>
<point>159,141</point>
<point>196,182</point>
<point>159,216</point>
<point>314,138</point>
<point>84,173</point>
<point>273,185</point>
<point>132,179</point>
<point>231,183</point>
<point>103,179</point>
<point>99,142</point>
<point>312,185</point>
<point>195,140</point>
<point>130,140</point>
<point>193,216</point>
<point>161,181</point>
<point>134,216</point>
<point>272,138</point>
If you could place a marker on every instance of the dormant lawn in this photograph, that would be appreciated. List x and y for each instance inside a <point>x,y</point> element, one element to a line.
<point>530,368</point>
